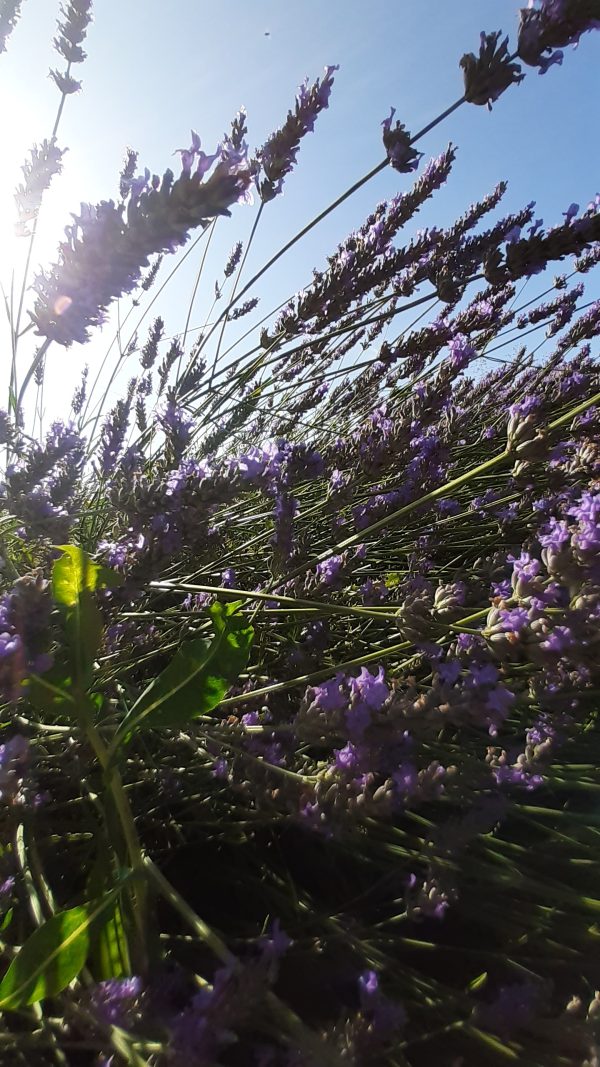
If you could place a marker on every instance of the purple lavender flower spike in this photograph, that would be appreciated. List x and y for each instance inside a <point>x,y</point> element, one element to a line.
<point>109,245</point>
<point>72,30</point>
<point>278,155</point>
<point>44,162</point>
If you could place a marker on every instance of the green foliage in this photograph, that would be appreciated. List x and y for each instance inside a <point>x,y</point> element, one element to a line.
<point>75,580</point>
<point>54,955</point>
<point>109,950</point>
<point>197,677</point>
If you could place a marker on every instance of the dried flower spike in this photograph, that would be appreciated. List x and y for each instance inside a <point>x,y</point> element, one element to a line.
<point>488,75</point>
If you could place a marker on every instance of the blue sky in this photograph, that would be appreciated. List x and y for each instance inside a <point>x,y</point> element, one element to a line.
<point>150,76</point>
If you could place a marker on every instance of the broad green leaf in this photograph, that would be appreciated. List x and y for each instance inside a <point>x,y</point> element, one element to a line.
<point>75,573</point>
<point>197,677</point>
<point>109,952</point>
<point>75,580</point>
<point>53,956</point>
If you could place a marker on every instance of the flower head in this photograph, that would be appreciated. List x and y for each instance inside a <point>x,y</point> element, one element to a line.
<point>490,73</point>
<point>398,145</point>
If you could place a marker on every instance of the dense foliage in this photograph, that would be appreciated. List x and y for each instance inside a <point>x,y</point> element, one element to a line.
<point>299,644</point>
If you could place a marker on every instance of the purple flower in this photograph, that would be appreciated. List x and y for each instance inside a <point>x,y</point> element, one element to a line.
<point>45,161</point>
<point>346,759</point>
<point>112,1001</point>
<point>177,428</point>
<point>329,571</point>
<point>546,29</point>
<point>370,688</point>
<point>24,637</point>
<point>559,641</point>
<point>109,245</point>
<point>397,143</point>
<point>72,30</point>
<point>358,719</point>
<point>114,430</point>
<point>449,671</point>
<point>189,155</point>
<point>555,535</point>
<point>328,696</point>
<point>502,589</point>
<point>513,1008</point>
<point>278,155</point>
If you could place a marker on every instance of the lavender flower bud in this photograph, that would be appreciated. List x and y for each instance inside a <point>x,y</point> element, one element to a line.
<point>397,143</point>
<point>523,436</point>
<point>449,599</point>
<point>150,349</point>
<point>488,75</point>
<point>65,82</point>
<point>233,260</point>
<point>150,276</point>
<point>127,172</point>
<point>245,308</point>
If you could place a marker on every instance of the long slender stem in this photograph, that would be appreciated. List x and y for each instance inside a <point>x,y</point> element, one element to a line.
<point>114,785</point>
<point>232,298</point>
<point>332,207</point>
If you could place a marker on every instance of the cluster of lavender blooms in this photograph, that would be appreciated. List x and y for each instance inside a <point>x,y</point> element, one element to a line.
<point>24,621</point>
<point>108,245</point>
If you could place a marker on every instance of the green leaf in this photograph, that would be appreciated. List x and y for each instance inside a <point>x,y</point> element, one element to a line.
<point>53,956</point>
<point>478,983</point>
<point>109,952</point>
<point>197,677</point>
<point>75,580</point>
<point>6,921</point>
<point>75,573</point>
<point>50,692</point>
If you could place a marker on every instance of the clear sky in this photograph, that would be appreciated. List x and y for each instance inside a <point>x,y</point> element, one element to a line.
<point>154,70</point>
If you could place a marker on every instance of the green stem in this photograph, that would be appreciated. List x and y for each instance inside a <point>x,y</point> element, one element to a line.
<point>232,298</point>
<point>115,788</point>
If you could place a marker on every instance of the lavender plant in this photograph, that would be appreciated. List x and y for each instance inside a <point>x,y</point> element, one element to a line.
<point>299,634</point>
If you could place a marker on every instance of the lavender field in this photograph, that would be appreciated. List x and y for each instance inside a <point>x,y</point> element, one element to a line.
<point>300,611</point>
